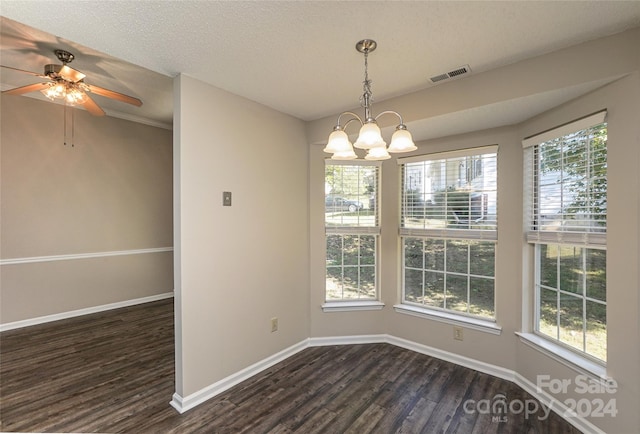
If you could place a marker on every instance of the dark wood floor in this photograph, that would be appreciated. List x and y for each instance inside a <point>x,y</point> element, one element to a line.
<point>113,372</point>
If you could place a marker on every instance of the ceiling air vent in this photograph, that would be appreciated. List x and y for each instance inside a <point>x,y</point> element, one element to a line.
<point>451,74</point>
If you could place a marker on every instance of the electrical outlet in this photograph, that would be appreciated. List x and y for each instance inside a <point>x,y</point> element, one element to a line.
<point>274,325</point>
<point>457,333</point>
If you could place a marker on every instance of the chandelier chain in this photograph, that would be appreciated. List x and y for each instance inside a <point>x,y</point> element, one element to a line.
<point>367,97</point>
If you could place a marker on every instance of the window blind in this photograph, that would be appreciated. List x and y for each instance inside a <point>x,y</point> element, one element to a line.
<point>566,184</point>
<point>450,195</point>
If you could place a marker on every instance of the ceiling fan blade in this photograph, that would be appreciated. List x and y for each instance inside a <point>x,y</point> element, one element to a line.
<point>26,89</point>
<point>71,74</point>
<point>92,107</point>
<point>26,72</point>
<point>115,95</point>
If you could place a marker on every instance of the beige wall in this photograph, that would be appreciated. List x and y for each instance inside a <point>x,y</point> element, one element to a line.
<point>110,192</point>
<point>622,100</point>
<point>239,266</point>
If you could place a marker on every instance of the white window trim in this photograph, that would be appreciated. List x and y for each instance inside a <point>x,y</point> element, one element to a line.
<point>568,128</point>
<point>566,357</point>
<point>350,306</point>
<point>486,326</point>
<point>352,230</point>
<point>451,234</point>
<point>352,162</point>
<point>481,150</point>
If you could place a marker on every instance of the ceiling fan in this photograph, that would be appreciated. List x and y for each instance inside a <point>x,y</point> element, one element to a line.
<point>68,84</point>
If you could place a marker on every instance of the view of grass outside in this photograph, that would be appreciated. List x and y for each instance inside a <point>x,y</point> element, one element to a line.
<point>572,294</point>
<point>455,275</point>
<point>350,267</point>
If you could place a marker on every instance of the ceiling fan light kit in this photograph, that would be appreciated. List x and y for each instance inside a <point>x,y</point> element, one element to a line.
<point>370,136</point>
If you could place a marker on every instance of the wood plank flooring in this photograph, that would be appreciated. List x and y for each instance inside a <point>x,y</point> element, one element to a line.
<point>112,372</point>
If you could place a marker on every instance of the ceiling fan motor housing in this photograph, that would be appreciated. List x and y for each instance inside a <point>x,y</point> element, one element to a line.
<point>52,70</point>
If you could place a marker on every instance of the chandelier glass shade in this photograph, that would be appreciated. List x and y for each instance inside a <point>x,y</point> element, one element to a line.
<point>370,136</point>
<point>72,93</point>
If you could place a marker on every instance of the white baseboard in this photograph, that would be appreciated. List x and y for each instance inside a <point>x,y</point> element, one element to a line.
<point>558,407</point>
<point>80,312</point>
<point>348,340</point>
<point>186,403</point>
<point>477,365</point>
<point>191,401</point>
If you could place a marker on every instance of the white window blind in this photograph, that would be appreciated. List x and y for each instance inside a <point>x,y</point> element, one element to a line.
<point>566,184</point>
<point>450,195</point>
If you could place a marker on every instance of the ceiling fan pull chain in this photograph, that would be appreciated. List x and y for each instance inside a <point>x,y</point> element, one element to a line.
<point>68,114</point>
<point>65,125</point>
<point>73,127</point>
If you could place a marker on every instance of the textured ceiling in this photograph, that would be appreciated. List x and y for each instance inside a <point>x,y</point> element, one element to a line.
<point>295,56</point>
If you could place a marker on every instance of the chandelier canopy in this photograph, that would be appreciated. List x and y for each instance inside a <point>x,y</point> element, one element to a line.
<point>370,137</point>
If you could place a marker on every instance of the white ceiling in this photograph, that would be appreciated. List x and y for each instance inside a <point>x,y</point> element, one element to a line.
<point>295,56</point>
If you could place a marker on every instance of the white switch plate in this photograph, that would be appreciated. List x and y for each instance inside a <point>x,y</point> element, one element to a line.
<point>226,198</point>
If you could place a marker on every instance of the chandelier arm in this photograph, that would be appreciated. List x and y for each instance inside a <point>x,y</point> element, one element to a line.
<point>352,119</point>
<point>349,121</point>
<point>395,113</point>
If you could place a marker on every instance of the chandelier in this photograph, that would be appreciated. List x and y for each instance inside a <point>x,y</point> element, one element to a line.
<point>370,137</point>
<point>72,93</point>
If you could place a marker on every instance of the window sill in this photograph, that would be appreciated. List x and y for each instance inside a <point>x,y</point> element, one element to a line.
<point>564,356</point>
<point>486,326</point>
<point>346,306</point>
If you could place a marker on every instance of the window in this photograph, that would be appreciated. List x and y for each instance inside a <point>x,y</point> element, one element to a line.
<point>352,231</point>
<point>448,230</point>
<point>566,194</point>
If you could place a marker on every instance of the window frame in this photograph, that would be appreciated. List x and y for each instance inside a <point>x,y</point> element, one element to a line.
<point>354,304</point>
<point>536,237</point>
<point>450,316</point>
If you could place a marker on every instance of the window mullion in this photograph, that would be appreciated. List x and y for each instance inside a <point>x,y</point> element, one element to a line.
<point>558,293</point>
<point>584,299</point>
<point>359,268</point>
<point>445,283</point>
<point>342,266</point>
<point>468,278</point>
<point>424,271</point>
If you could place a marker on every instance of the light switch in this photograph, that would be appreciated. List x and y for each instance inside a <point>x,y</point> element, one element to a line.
<point>226,198</point>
